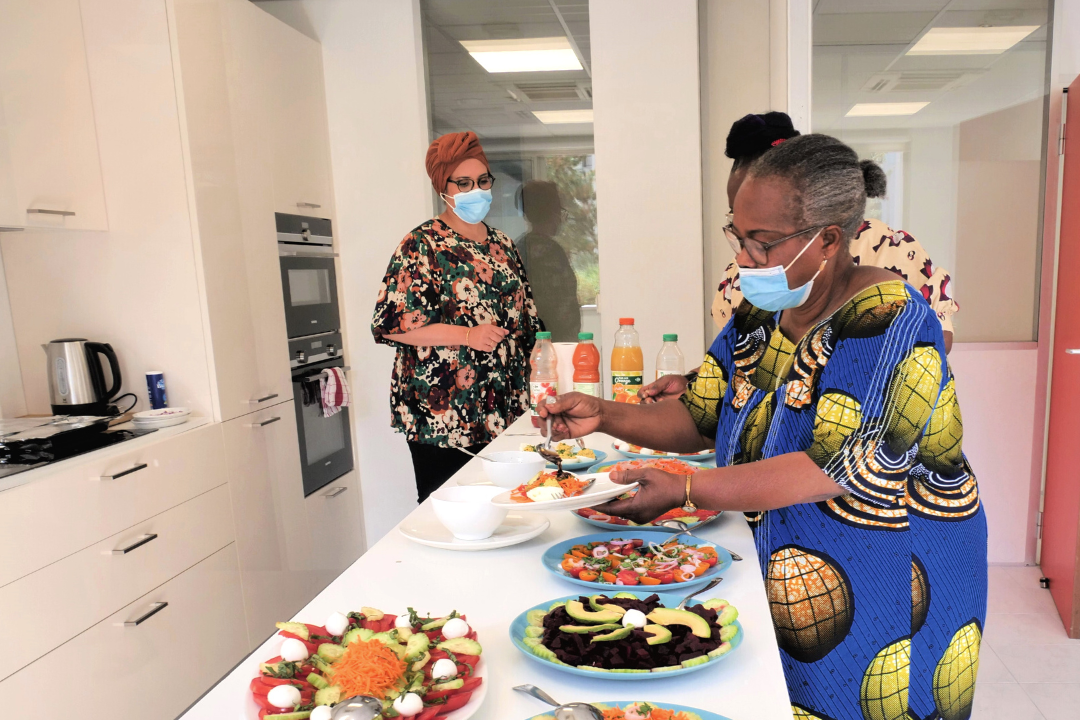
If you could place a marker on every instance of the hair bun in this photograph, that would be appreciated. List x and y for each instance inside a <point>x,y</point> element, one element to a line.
<point>874,178</point>
<point>752,134</point>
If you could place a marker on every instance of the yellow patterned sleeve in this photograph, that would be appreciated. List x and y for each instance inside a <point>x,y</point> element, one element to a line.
<point>703,395</point>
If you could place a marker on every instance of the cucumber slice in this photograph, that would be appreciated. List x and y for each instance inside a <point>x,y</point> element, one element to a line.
<point>328,696</point>
<point>317,680</point>
<point>535,617</point>
<point>728,632</point>
<point>692,662</point>
<point>727,615</point>
<point>533,631</point>
<point>331,652</point>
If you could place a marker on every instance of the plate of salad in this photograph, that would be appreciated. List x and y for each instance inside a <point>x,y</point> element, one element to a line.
<point>574,456</point>
<point>678,467</point>
<point>627,635</point>
<point>645,710</point>
<point>421,668</point>
<point>648,559</point>
<point>636,451</point>
<point>550,490</point>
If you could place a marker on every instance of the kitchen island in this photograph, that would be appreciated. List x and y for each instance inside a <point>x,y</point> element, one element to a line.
<point>493,586</point>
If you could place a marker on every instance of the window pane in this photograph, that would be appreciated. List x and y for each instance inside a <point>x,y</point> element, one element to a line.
<point>949,98</point>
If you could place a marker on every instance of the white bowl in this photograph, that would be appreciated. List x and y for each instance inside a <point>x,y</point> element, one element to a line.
<point>511,468</point>
<point>467,512</point>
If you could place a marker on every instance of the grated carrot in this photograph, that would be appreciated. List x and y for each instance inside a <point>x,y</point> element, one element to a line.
<point>368,668</point>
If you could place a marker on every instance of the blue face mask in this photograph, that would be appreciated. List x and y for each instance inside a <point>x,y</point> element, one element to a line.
<point>472,206</point>
<point>767,288</point>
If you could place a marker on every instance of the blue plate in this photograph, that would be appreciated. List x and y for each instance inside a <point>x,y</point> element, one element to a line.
<point>703,457</point>
<point>517,636</point>
<point>552,559</point>
<point>584,465</point>
<point>704,714</point>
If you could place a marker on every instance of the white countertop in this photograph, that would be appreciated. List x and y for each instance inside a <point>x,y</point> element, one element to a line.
<point>492,587</point>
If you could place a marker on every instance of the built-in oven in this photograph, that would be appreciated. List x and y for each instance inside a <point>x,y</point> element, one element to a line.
<point>325,442</point>
<point>308,279</point>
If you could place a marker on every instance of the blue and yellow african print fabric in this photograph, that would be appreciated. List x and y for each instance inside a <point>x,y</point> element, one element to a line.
<point>878,596</point>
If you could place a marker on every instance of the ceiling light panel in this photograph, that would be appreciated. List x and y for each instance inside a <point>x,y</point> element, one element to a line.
<point>885,109</point>
<point>519,55</point>
<point>561,117</point>
<point>970,40</point>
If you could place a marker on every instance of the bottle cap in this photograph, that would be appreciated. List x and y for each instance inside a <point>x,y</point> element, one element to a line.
<point>543,336</point>
<point>584,336</point>
<point>626,321</point>
<point>671,337</point>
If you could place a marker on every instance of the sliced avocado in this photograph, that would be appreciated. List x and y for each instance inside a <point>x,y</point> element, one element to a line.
<point>434,624</point>
<point>461,646</point>
<point>658,634</point>
<point>579,629</point>
<point>669,668</point>
<point>298,629</point>
<point>535,617</point>
<point>398,649</point>
<point>417,683</point>
<point>317,680</point>
<point>722,649</point>
<point>727,615</point>
<point>419,664</point>
<point>356,634</point>
<point>699,660</point>
<point>728,632</point>
<point>673,616</point>
<point>595,604</point>
<point>576,610</point>
<point>404,633</point>
<point>618,634</point>
<point>630,596</point>
<point>417,646</point>
<point>328,696</point>
<point>715,604</point>
<point>533,631</point>
<point>298,715</point>
<point>454,684</point>
<point>331,652</point>
<point>283,669</point>
<point>372,614</point>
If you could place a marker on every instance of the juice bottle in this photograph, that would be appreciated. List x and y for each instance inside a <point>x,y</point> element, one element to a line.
<point>544,376</point>
<point>627,363</point>
<point>670,360</point>
<point>586,366</point>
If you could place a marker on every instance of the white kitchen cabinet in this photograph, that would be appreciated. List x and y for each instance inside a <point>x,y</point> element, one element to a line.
<point>272,536</point>
<point>336,523</point>
<point>50,171</point>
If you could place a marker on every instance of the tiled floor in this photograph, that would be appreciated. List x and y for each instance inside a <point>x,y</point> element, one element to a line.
<point>1029,669</point>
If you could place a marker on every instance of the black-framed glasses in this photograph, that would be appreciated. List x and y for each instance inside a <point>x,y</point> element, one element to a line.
<point>758,251</point>
<point>484,182</point>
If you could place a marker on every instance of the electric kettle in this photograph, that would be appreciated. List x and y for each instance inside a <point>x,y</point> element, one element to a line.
<point>76,377</point>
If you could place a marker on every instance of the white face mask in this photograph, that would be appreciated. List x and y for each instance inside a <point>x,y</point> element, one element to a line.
<point>767,288</point>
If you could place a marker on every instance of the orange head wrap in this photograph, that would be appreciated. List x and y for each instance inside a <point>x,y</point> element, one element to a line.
<point>447,152</point>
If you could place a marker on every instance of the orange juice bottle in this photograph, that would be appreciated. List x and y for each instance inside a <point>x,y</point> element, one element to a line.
<point>587,366</point>
<point>627,363</point>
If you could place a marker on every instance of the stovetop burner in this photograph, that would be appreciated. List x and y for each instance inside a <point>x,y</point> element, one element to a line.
<point>20,456</point>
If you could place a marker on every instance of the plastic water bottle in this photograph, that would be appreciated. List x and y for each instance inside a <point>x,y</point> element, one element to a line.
<point>627,363</point>
<point>670,361</point>
<point>586,366</point>
<point>544,378</point>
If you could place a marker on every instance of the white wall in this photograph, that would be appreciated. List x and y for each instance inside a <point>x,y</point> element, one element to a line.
<point>12,400</point>
<point>377,110</point>
<point>647,124</point>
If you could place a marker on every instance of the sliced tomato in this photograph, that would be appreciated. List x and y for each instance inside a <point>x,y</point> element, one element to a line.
<point>470,660</point>
<point>317,630</point>
<point>471,684</point>
<point>432,697</point>
<point>262,702</point>
<point>440,654</point>
<point>456,702</point>
<point>429,712</point>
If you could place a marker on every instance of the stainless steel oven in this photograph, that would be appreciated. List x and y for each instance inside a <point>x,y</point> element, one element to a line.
<point>308,279</point>
<point>325,442</point>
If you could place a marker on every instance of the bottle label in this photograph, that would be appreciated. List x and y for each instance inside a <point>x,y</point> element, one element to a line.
<point>538,391</point>
<point>588,388</point>
<point>662,373</point>
<point>625,386</point>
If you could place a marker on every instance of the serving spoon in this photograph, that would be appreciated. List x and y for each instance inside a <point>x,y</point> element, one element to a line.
<point>358,707</point>
<point>710,586</point>
<point>569,711</point>
<point>684,529</point>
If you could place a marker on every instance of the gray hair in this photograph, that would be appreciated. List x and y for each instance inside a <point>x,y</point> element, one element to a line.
<point>831,184</point>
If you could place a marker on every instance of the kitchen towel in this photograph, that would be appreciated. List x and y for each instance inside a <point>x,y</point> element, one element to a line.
<point>564,351</point>
<point>335,391</point>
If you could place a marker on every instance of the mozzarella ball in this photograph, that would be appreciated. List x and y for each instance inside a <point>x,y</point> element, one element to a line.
<point>444,669</point>
<point>634,618</point>
<point>455,628</point>
<point>337,624</point>
<point>283,696</point>
<point>322,712</point>
<point>409,704</point>
<point>402,621</point>
<point>293,650</point>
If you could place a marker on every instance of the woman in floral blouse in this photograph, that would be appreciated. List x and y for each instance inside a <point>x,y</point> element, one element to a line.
<point>456,305</point>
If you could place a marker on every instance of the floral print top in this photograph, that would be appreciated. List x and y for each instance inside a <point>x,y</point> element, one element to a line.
<point>454,396</point>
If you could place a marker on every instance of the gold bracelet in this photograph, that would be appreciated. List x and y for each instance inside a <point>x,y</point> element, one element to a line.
<point>689,506</point>
<point>467,331</point>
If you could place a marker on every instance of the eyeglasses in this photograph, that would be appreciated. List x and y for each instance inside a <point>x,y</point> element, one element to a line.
<point>758,251</point>
<point>484,182</point>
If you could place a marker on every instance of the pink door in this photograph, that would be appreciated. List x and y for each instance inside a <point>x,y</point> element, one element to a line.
<point>1061,517</point>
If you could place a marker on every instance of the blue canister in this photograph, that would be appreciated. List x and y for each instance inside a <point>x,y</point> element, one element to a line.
<point>155,388</point>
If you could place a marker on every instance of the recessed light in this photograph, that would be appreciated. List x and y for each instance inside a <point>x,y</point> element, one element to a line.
<point>885,109</point>
<point>560,117</point>
<point>523,54</point>
<point>970,40</point>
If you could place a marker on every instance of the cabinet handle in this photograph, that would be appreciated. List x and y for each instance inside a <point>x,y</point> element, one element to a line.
<point>1072,351</point>
<point>308,255</point>
<point>256,401</point>
<point>41,211</point>
<point>122,473</point>
<point>334,492</point>
<point>308,205</point>
<point>137,544</point>
<point>155,608</point>
<point>264,423</point>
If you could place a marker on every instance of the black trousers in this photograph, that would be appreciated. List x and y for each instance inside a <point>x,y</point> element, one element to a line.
<point>434,465</point>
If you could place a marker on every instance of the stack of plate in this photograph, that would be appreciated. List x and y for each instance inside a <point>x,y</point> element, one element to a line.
<point>165,417</point>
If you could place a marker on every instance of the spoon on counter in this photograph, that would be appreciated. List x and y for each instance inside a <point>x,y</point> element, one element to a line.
<point>710,586</point>
<point>358,707</point>
<point>569,711</point>
<point>684,529</point>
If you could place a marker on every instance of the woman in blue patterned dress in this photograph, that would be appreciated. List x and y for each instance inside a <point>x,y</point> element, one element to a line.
<point>838,433</point>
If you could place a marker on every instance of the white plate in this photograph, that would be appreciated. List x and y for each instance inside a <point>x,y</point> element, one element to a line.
<point>162,423</point>
<point>161,414</point>
<point>424,528</point>
<point>600,491</point>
